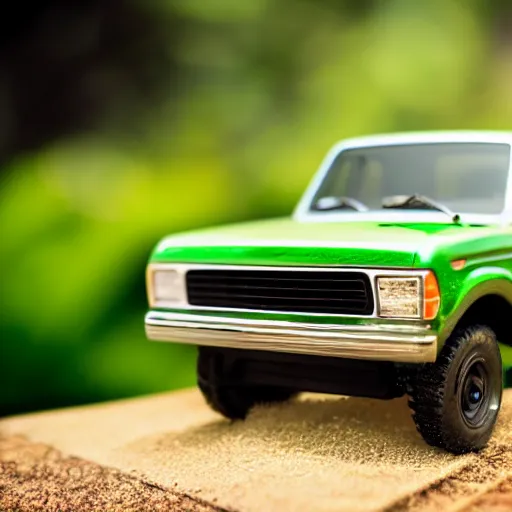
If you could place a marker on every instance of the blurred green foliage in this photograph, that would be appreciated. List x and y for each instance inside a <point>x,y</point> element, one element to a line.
<point>259,91</point>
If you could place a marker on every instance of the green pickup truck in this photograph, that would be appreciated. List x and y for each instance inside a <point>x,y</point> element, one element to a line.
<point>393,277</point>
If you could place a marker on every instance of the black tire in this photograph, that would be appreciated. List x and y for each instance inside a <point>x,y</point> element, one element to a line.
<point>456,400</point>
<point>233,401</point>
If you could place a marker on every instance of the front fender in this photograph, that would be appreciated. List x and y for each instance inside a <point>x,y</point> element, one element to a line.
<point>477,284</point>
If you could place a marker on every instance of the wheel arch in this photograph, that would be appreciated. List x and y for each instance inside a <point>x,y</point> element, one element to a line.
<point>489,303</point>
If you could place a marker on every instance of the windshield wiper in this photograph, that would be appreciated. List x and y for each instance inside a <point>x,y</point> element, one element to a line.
<point>338,203</point>
<point>417,201</point>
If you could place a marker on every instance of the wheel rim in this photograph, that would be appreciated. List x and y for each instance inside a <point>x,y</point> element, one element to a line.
<point>477,396</point>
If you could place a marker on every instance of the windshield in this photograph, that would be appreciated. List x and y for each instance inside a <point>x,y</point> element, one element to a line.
<point>465,177</point>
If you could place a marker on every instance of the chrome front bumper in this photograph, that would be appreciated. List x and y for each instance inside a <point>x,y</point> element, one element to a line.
<point>411,344</point>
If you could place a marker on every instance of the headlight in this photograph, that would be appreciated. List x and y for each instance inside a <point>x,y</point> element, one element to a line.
<point>408,297</point>
<point>166,287</point>
<point>399,297</point>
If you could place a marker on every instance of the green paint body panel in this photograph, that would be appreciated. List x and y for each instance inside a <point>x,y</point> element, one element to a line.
<point>288,242</point>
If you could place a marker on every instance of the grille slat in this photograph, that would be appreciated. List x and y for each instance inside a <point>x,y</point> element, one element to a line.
<point>283,307</point>
<point>222,296</point>
<point>283,293</point>
<point>298,279</point>
<point>282,290</point>
<point>242,287</point>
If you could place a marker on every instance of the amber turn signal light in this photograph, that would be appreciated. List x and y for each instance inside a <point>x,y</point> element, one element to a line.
<point>458,264</point>
<point>431,296</point>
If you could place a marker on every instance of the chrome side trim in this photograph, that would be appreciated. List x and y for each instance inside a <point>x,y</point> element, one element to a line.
<point>183,268</point>
<point>412,344</point>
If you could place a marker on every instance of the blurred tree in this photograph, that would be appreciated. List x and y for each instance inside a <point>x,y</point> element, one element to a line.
<point>67,66</point>
<point>122,121</point>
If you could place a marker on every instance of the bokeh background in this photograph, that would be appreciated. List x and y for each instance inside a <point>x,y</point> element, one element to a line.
<point>123,121</point>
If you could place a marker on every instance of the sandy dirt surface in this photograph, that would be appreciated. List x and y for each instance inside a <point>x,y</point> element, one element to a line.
<point>499,500</point>
<point>36,477</point>
<point>316,453</point>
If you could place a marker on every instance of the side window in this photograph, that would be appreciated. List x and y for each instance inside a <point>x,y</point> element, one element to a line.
<point>371,186</point>
<point>335,183</point>
<point>355,176</point>
<point>340,179</point>
<point>468,180</point>
<point>448,175</point>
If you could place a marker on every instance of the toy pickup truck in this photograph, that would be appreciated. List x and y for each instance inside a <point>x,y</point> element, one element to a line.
<point>393,277</point>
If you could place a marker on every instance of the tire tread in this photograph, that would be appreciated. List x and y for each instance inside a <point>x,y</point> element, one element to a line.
<point>427,390</point>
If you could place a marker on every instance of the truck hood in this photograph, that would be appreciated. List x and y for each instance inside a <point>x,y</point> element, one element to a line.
<point>289,242</point>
